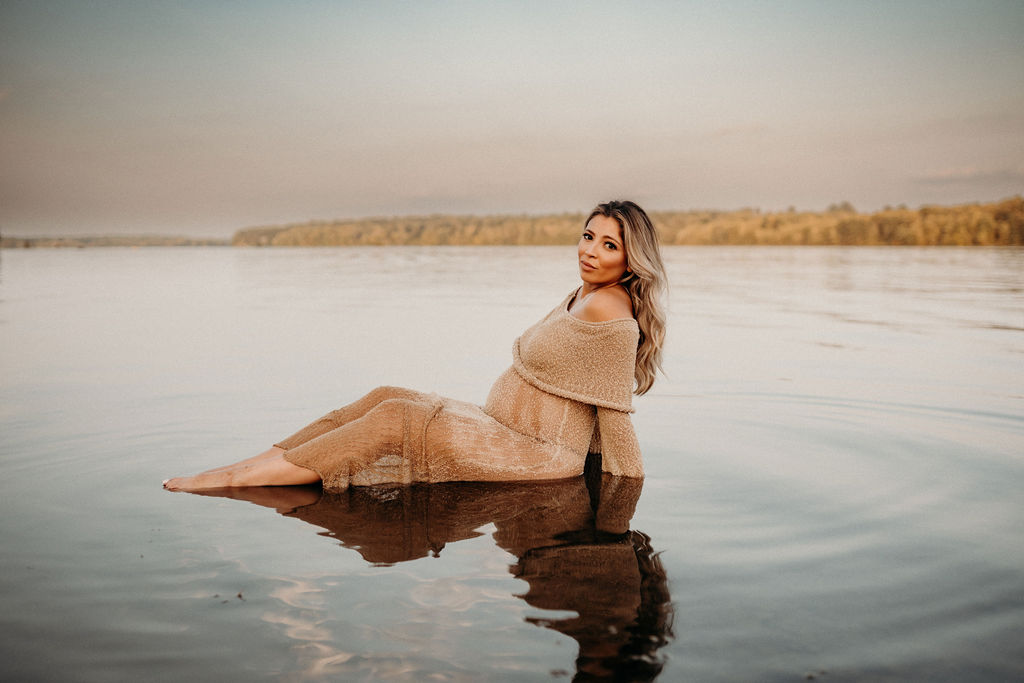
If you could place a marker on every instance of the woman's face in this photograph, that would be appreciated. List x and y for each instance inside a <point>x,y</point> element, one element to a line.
<point>602,253</point>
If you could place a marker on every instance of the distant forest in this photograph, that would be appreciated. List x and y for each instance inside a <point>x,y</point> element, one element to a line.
<point>997,224</point>
<point>1000,223</point>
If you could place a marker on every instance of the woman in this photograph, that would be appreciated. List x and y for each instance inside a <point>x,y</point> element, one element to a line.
<point>567,393</point>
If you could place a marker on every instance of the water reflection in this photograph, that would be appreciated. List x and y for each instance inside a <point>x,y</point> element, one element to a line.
<point>571,539</point>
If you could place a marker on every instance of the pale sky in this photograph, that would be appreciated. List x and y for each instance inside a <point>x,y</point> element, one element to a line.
<point>200,118</point>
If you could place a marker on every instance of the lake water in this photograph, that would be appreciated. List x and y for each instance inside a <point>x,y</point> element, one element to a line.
<point>835,462</point>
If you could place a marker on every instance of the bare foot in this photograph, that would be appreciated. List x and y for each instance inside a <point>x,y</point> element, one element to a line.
<point>267,469</point>
<point>208,480</point>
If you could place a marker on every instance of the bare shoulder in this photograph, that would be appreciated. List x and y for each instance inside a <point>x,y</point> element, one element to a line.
<point>607,303</point>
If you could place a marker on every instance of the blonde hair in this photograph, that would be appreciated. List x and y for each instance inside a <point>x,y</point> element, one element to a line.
<point>645,281</point>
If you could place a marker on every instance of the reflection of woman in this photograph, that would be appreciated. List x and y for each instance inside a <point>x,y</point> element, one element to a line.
<point>571,540</point>
<point>568,392</point>
<point>610,577</point>
<point>618,589</point>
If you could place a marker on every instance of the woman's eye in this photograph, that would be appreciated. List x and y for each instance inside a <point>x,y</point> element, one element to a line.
<point>610,245</point>
<point>587,236</point>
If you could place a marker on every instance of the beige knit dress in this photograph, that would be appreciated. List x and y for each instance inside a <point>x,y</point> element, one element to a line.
<point>568,392</point>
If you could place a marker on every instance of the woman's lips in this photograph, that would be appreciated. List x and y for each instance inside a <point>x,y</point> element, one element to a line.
<point>587,266</point>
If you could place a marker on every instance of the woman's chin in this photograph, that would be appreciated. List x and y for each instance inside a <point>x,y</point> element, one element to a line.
<point>594,278</point>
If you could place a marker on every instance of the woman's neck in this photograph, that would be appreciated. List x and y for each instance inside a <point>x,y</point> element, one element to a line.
<point>588,288</point>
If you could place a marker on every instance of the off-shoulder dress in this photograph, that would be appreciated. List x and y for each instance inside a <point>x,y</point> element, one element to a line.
<point>567,393</point>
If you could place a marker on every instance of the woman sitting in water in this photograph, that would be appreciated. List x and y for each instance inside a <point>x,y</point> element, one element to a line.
<point>567,393</point>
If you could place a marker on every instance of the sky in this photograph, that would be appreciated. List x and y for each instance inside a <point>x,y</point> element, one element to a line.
<point>203,117</point>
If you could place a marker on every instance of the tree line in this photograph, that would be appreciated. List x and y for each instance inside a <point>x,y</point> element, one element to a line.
<point>995,224</point>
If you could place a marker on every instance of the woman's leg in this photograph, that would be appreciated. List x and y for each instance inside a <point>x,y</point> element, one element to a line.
<point>386,445</point>
<point>270,468</point>
<point>353,411</point>
<point>422,439</point>
<point>268,454</point>
<point>266,469</point>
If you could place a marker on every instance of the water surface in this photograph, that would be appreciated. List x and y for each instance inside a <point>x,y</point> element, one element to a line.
<point>834,470</point>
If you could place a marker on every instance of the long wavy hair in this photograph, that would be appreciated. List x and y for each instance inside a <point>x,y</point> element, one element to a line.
<point>645,281</point>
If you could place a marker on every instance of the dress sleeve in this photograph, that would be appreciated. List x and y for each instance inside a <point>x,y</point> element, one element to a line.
<point>619,448</point>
